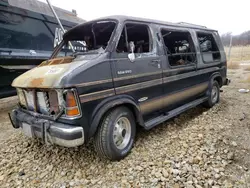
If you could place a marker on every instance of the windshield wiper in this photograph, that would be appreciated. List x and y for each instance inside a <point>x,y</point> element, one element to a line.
<point>97,51</point>
<point>83,53</point>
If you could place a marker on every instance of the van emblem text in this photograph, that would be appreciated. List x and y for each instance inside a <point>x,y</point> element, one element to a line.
<point>124,72</point>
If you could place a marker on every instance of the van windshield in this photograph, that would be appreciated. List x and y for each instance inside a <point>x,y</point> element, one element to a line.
<point>89,38</point>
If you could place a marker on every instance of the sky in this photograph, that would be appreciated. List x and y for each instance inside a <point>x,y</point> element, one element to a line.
<point>224,16</point>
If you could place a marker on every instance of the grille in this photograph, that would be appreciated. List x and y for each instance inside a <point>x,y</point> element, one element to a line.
<point>29,95</point>
<point>44,102</point>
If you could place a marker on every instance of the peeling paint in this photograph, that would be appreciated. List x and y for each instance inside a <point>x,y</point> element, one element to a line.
<point>37,82</point>
<point>57,61</point>
<point>43,77</point>
<point>48,74</point>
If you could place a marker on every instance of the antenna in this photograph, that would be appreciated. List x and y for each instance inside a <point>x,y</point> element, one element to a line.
<point>59,22</point>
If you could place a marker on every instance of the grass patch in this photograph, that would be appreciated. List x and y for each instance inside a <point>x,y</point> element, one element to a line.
<point>247,80</point>
<point>233,65</point>
<point>239,53</point>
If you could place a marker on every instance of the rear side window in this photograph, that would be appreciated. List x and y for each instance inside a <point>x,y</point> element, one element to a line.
<point>139,35</point>
<point>179,47</point>
<point>208,47</point>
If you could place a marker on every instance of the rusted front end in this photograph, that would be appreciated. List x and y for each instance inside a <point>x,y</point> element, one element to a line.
<point>57,98</point>
<point>44,99</point>
<point>47,75</point>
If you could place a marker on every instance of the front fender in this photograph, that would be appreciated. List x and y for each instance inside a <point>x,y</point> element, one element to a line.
<point>110,103</point>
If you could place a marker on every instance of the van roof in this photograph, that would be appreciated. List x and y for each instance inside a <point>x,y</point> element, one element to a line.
<point>43,8</point>
<point>122,18</point>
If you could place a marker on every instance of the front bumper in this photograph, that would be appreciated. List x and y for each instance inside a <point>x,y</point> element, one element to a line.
<point>49,131</point>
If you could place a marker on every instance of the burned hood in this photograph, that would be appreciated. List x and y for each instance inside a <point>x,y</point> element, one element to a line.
<point>51,73</point>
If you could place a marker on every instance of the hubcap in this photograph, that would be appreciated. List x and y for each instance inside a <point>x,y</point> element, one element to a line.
<point>122,132</point>
<point>214,94</point>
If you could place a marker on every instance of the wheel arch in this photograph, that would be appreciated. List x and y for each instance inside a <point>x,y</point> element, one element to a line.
<point>111,103</point>
<point>214,77</point>
<point>217,77</point>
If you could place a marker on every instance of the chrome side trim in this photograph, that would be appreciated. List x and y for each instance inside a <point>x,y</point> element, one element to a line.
<point>93,83</point>
<point>171,78</point>
<point>187,75</point>
<point>138,86</point>
<point>167,100</point>
<point>137,76</point>
<point>97,95</point>
<point>133,87</point>
<point>116,79</point>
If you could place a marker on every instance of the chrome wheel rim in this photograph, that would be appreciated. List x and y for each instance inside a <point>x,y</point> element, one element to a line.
<point>122,132</point>
<point>214,94</point>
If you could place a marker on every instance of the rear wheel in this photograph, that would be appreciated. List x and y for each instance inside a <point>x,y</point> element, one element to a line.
<point>115,136</point>
<point>214,95</point>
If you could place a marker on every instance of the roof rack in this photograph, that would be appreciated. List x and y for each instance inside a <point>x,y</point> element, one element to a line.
<point>190,24</point>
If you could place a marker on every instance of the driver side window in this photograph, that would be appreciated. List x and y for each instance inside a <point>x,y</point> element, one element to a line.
<point>138,34</point>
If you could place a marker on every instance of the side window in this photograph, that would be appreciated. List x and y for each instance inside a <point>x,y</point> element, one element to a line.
<point>209,49</point>
<point>179,47</point>
<point>137,34</point>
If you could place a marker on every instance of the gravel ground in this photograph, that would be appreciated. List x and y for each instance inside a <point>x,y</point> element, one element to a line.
<point>200,148</point>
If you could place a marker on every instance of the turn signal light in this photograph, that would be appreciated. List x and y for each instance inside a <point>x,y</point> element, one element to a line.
<point>72,112</point>
<point>70,99</point>
<point>72,108</point>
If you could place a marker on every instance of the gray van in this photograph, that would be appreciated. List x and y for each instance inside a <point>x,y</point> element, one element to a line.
<point>124,72</point>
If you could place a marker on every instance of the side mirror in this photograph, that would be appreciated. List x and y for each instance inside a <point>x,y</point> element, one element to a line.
<point>131,55</point>
<point>131,47</point>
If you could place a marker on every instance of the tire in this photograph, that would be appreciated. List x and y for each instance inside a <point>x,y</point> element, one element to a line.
<point>115,136</point>
<point>213,95</point>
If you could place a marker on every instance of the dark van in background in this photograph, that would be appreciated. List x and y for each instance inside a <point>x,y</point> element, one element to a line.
<point>125,72</point>
<point>28,35</point>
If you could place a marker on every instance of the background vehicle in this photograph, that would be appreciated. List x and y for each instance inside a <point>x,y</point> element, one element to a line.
<point>28,34</point>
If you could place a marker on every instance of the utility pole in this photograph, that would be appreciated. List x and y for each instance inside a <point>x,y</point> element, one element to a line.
<point>230,46</point>
<point>59,22</point>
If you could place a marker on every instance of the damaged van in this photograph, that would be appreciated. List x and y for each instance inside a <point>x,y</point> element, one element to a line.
<point>123,72</point>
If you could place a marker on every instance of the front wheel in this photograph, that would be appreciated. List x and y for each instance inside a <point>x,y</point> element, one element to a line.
<point>213,96</point>
<point>115,136</point>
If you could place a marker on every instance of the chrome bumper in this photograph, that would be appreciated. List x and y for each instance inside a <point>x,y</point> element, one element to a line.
<point>49,131</point>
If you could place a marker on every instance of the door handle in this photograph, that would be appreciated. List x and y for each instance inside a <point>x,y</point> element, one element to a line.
<point>155,63</point>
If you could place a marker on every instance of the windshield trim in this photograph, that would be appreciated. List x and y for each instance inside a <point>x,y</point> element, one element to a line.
<point>89,22</point>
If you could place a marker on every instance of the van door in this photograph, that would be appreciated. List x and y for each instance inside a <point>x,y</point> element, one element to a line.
<point>139,77</point>
<point>180,81</point>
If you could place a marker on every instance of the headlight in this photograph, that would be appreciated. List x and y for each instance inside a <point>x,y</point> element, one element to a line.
<point>21,97</point>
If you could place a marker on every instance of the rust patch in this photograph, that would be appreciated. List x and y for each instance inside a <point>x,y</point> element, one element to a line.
<point>37,82</point>
<point>57,61</point>
<point>53,101</point>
